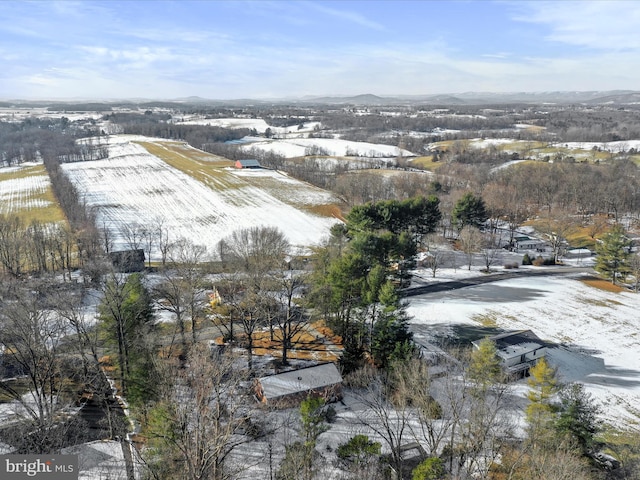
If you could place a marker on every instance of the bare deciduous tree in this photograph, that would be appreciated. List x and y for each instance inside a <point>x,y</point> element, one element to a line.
<point>470,242</point>
<point>134,234</point>
<point>290,319</point>
<point>386,411</point>
<point>556,228</point>
<point>31,337</point>
<point>202,417</point>
<point>435,251</point>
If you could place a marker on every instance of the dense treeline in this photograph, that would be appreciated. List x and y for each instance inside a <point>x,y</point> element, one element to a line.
<point>27,140</point>
<point>156,125</point>
<point>560,123</point>
<point>36,247</point>
<point>578,188</point>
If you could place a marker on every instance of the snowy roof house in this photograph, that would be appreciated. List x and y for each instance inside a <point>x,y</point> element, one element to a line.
<point>293,386</point>
<point>518,350</point>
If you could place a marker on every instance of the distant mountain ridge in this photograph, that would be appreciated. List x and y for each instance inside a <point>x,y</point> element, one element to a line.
<point>480,98</point>
<point>612,97</point>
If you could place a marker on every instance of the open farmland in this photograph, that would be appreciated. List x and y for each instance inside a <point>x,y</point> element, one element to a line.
<point>299,147</point>
<point>539,150</point>
<point>257,124</point>
<point>26,191</point>
<point>148,182</point>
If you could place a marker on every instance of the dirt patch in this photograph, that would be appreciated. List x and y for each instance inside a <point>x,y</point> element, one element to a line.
<point>327,211</point>
<point>601,284</point>
<point>318,343</point>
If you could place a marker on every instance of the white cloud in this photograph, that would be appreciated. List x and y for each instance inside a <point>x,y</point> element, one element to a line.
<point>106,50</point>
<point>594,24</point>
<point>346,15</point>
<point>42,80</point>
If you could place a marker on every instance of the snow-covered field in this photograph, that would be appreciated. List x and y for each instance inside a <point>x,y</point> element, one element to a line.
<point>615,147</point>
<point>259,124</point>
<point>488,142</point>
<point>300,147</point>
<point>24,190</point>
<point>597,332</point>
<point>137,188</point>
<point>17,114</point>
<point>483,143</point>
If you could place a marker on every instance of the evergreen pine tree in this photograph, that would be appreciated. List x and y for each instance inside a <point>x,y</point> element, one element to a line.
<point>391,339</point>
<point>613,254</point>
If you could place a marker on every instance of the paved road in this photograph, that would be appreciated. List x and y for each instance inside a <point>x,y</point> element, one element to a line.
<point>496,277</point>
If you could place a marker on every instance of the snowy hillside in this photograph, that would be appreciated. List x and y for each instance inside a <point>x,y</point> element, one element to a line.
<point>595,332</point>
<point>134,187</point>
<point>299,147</point>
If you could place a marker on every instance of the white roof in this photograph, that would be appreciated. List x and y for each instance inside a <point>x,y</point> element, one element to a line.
<point>301,380</point>
<point>520,349</point>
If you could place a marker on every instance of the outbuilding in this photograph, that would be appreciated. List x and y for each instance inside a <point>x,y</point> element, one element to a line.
<point>249,163</point>
<point>128,261</point>
<point>289,388</point>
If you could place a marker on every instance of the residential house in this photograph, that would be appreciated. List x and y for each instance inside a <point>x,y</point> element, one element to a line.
<point>528,243</point>
<point>518,351</point>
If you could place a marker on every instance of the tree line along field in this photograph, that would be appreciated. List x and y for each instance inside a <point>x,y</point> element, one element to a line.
<point>183,206</point>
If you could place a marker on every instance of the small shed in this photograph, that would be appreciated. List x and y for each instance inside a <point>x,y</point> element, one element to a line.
<point>127,261</point>
<point>518,351</point>
<point>249,163</point>
<point>578,253</point>
<point>288,388</point>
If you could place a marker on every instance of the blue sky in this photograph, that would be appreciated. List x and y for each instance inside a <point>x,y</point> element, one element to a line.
<point>278,49</point>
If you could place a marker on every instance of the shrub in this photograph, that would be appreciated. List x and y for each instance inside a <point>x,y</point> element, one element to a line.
<point>526,260</point>
<point>430,469</point>
<point>330,414</point>
<point>509,266</point>
<point>538,262</point>
<point>357,447</point>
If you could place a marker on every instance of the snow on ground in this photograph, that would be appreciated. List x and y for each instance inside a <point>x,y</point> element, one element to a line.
<point>505,165</point>
<point>101,460</point>
<point>259,124</point>
<point>300,147</point>
<point>616,147</point>
<point>596,332</point>
<point>488,142</point>
<point>23,192</point>
<point>17,114</point>
<point>133,187</point>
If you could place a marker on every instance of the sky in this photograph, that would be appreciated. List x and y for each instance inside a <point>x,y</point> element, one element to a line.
<point>284,49</point>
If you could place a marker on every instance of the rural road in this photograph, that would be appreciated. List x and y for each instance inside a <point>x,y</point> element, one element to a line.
<point>472,281</point>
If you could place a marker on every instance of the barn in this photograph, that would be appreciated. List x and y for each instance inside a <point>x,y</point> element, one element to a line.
<point>289,388</point>
<point>249,163</point>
